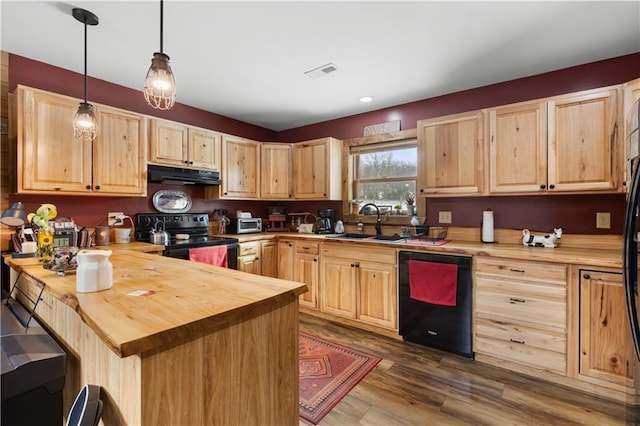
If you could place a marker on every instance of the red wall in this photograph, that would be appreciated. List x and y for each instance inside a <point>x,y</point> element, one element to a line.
<point>575,213</point>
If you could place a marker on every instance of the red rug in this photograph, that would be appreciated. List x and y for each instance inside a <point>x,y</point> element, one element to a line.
<point>328,372</point>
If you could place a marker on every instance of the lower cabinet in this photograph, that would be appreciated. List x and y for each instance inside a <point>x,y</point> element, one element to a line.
<point>360,283</point>
<point>520,312</point>
<point>300,261</point>
<point>258,257</point>
<point>606,353</point>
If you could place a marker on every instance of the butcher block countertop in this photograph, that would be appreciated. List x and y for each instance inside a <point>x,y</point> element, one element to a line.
<point>181,297</point>
<point>590,254</point>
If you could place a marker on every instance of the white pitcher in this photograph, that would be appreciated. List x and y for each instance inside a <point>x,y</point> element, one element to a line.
<point>95,271</point>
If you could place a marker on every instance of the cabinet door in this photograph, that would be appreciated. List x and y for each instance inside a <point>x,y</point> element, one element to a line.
<point>249,263</point>
<point>518,148</point>
<point>204,149</point>
<point>307,271</point>
<point>605,342</point>
<point>49,157</point>
<point>377,294</point>
<point>168,143</point>
<point>285,260</point>
<point>310,171</point>
<point>583,142</point>
<point>450,155</point>
<point>268,258</point>
<point>241,168</point>
<point>119,155</point>
<point>338,287</point>
<point>277,171</point>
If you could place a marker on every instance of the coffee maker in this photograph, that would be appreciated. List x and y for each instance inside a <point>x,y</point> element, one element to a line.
<point>325,221</point>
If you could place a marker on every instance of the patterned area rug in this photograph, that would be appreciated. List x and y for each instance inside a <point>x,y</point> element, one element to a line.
<point>328,372</point>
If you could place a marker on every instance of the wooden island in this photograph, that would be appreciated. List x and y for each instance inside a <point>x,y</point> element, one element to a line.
<point>204,346</point>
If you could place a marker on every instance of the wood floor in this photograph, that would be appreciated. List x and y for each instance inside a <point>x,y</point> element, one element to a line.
<point>414,385</point>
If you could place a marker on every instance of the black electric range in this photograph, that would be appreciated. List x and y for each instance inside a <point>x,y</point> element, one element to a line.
<point>193,228</point>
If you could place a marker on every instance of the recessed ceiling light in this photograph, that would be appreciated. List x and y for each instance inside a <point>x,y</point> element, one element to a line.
<point>366,99</point>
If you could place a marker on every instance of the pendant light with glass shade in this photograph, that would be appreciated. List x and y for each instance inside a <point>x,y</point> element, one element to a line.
<point>85,125</point>
<point>160,85</point>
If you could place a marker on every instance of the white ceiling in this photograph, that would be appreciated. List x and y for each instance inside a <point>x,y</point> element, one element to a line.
<point>246,60</point>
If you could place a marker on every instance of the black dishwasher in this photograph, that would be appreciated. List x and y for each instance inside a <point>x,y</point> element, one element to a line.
<point>442,327</point>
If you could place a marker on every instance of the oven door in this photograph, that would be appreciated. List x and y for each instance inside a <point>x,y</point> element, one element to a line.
<point>183,253</point>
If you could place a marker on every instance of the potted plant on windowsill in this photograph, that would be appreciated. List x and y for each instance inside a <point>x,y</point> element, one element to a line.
<point>354,206</point>
<point>410,198</point>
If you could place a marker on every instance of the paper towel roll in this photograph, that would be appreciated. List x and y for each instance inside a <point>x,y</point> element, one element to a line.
<point>487,226</point>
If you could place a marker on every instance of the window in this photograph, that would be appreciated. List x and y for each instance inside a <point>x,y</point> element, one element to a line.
<point>385,174</point>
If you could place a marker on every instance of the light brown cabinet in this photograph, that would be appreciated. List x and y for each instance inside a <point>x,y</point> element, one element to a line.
<point>520,313</point>
<point>50,159</point>
<point>584,141</point>
<point>258,257</point>
<point>317,169</point>
<point>450,155</point>
<point>566,143</point>
<point>605,342</point>
<point>179,145</point>
<point>286,259</point>
<point>269,258</point>
<point>277,171</point>
<point>360,284</point>
<point>300,261</point>
<point>240,168</point>
<point>518,147</point>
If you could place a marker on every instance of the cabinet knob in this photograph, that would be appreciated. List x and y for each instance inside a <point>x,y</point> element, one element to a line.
<point>98,187</point>
<point>290,245</point>
<point>315,260</point>
<point>543,186</point>
<point>87,187</point>
<point>225,193</point>
<point>624,183</point>
<point>185,162</point>
<point>421,190</point>
<point>552,186</point>
<point>586,276</point>
<point>191,162</point>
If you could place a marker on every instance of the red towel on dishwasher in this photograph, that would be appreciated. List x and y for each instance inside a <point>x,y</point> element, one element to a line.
<point>213,255</point>
<point>431,282</point>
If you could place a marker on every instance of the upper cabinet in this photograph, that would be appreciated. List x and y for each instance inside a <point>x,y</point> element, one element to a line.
<point>450,155</point>
<point>240,168</point>
<point>317,169</point>
<point>277,171</point>
<point>583,141</point>
<point>179,145</point>
<point>50,159</point>
<point>565,144</point>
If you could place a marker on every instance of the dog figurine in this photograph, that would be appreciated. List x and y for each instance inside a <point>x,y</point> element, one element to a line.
<point>548,240</point>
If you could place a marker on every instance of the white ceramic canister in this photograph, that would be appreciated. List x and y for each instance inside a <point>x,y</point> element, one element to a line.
<point>95,271</point>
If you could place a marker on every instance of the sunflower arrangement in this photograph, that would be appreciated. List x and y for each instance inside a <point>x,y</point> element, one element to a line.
<point>40,220</point>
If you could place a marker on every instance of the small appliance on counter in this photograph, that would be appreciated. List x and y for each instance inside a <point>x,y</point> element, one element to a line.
<point>245,225</point>
<point>325,221</point>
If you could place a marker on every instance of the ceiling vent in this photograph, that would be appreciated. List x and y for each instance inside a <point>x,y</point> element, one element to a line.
<point>321,71</point>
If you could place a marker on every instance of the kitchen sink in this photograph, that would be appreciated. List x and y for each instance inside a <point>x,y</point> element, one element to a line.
<point>387,237</point>
<point>354,236</point>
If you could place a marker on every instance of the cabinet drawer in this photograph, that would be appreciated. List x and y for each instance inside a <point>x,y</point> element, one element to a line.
<point>535,304</point>
<point>522,270</point>
<point>251,248</point>
<point>306,247</point>
<point>522,353</point>
<point>541,338</point>
<point>358,252</point>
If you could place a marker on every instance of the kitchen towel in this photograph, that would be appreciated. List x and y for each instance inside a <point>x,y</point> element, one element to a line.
<point>431,282</point>
<point>213,255</point>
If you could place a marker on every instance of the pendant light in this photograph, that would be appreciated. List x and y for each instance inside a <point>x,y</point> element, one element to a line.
<point>85,125</point>
<point>160,85</point>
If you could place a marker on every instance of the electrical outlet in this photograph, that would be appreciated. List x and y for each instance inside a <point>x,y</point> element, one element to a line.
<point>444,217</point>
<point>114,218</point>
<point>603,220</point>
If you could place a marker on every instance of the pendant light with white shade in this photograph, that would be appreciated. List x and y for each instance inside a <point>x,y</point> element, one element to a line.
<point>85,125</point>
<point>160,85</point>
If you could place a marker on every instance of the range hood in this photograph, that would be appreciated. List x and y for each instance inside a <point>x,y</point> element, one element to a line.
<point>179,176</point>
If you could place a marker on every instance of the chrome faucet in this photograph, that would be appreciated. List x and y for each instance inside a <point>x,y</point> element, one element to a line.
<point>378,220</point>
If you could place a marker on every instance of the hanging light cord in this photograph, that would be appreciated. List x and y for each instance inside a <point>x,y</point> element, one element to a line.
<point>161,23</point>
<point>85,59</point>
